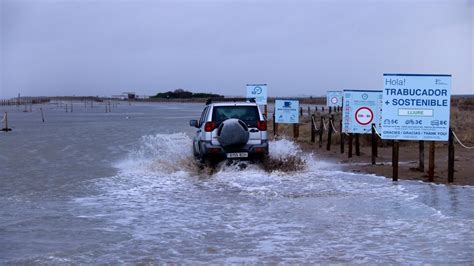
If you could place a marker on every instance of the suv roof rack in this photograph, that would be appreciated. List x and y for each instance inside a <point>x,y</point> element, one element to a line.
<point>212,100</point>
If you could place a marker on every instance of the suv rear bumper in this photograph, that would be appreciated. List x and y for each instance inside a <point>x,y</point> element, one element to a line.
<point>215,151</point>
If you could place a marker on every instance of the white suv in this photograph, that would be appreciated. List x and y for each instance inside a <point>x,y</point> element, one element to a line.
<point>230,129</point>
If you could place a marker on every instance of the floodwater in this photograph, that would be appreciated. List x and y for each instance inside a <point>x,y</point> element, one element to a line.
<point>104,188</point>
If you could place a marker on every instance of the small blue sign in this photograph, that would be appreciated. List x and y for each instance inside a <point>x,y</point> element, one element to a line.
<point>416,107</point>
<point>334,98</point>
<point>362,108</point>
<point>287,111</point>
<point>259,92</point>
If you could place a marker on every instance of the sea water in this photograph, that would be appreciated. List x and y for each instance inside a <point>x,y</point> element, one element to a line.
<point>122,187</point>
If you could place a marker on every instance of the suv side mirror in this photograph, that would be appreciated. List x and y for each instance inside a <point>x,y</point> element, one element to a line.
<point>193,123</point>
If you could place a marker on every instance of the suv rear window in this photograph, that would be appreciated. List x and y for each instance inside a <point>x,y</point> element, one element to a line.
<point>248,114</point>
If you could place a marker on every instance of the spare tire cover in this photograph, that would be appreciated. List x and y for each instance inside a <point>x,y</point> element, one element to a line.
<point>233,133</point>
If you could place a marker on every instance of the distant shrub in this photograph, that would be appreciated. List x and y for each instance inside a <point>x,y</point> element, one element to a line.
<point>182,94</point>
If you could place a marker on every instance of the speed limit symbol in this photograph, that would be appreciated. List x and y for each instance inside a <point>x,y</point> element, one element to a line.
<point>364,116</point>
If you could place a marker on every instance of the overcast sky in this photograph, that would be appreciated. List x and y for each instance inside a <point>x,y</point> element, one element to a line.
<point>297,47</point>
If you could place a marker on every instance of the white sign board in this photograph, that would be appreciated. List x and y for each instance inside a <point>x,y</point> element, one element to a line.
<point>286,111</point>
<point>259,92</point>
<point>416,107</point>
<point>334,98</point>
<point>362,108</point>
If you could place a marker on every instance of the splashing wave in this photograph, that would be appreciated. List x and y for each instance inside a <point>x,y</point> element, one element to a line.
<point>172,153</point>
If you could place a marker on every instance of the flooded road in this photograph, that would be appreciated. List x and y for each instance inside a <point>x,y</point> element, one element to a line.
<point>121,187</point>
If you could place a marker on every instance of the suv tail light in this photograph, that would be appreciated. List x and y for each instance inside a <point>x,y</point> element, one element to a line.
<point>262,125</point>
<point>209,126</point>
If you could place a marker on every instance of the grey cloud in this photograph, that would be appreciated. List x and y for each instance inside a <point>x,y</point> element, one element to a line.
<point>308,47</point>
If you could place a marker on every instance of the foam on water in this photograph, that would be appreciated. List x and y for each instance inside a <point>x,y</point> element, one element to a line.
<point>174,211</point>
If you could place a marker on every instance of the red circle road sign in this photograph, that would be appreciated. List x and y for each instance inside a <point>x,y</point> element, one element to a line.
<point>334,100</point>
<point>364,116</point>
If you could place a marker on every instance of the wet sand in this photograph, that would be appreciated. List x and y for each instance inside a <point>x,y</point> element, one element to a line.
<point>408,152</point>
<point>408,164</point>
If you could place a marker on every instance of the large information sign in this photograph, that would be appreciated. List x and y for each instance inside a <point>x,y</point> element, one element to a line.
<point>416,107</point>
<point>286,111</point>
<point>334,98</point>
<point>362,108</point>
<point>259,92</point>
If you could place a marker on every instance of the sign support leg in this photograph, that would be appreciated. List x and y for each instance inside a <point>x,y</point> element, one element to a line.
<point>357,144</point>
<point>421,156</point>
<point>374,144</point>
<point>395,147</point>
<point>431,162</point>
<point>349,153</point>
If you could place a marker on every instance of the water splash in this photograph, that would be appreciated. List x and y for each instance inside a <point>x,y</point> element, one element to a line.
<point>172,153</point>
<point>285,156</point>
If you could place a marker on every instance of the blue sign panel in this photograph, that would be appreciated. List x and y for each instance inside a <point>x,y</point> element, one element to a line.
<point>259,92</point>
<point>334,98</point>
<point>416,107</point>
<point>362,108</point>
<point>286,111</point>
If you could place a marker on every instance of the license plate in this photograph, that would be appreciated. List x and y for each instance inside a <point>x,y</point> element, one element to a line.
<point>238,155</point>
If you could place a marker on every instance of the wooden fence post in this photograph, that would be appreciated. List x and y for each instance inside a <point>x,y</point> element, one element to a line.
<point>431,163</point>
<point>42,115</point>
<point>321,130</point>
<point>450,157</point>
<point>342,136</point>
<point>313,131</point>
<point>328,146</point>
